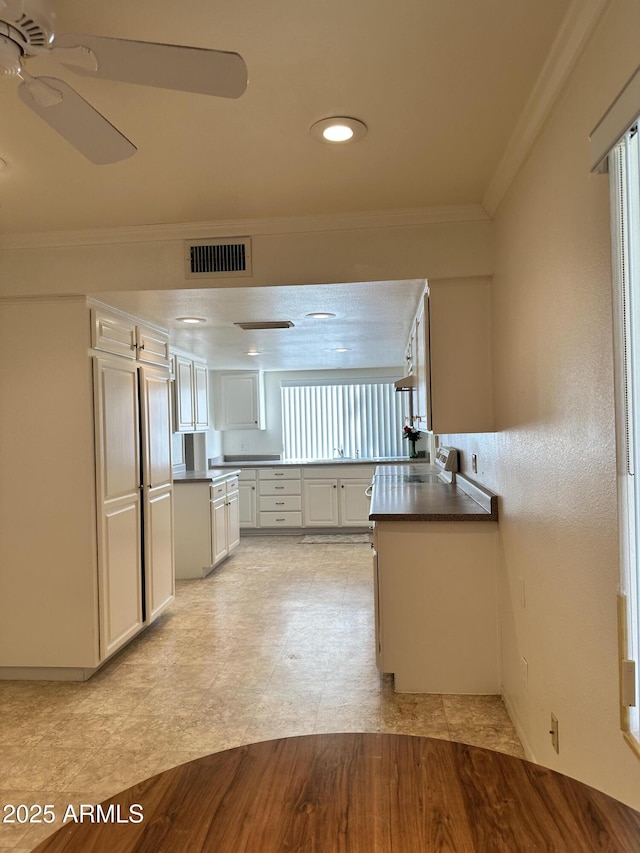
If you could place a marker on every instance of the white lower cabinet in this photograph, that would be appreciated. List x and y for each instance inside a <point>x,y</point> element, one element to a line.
<point>247,498</point>
<point>336,501</point>
<point>279,497</point>
<point>206,524</point>
<point>436,604</point>
<point>320,503</point>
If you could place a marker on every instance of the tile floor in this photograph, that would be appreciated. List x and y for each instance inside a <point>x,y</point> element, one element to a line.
<point>277,641</point>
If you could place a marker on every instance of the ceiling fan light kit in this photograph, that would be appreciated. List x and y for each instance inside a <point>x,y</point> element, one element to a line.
<point>27,30</point>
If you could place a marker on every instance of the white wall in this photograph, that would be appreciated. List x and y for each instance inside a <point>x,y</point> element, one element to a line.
<point>553,459</point>
<point>269,440</point>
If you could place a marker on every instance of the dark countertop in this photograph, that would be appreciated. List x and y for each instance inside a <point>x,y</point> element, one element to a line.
<point>396,500</point>
<point>306,463</point>
<point>204,476</point>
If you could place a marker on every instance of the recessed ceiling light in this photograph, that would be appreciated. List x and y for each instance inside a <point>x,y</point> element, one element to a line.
<point>253,352</point>
<point>338,129</point>
<point>191,320</point>
<point>321,315</point>
<point>342,349</point>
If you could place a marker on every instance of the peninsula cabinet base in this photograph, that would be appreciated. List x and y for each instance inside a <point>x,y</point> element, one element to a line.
<point>438,606</point>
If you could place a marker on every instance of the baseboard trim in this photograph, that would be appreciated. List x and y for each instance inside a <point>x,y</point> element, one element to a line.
<point>46,673</point>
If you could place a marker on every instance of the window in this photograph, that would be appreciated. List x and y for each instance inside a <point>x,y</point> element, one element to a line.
<point>624,168</point>
<point>349,419</point>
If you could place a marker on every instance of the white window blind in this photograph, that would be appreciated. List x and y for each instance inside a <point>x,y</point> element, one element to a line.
<point>351,419</point>
<point>624,169</point>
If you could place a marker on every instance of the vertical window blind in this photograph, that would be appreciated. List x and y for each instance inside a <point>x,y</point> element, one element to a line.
<point>351,419</point>
<point>624,168</point>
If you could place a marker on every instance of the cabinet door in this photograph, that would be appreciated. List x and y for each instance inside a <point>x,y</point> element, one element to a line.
<point>201,396</point>
<point>247,504</point>
<point>421,367</point>
<point>241,401</point>
<point>233,521</point>
<point>320,503</point>
<point>113,333</point>
<point>159,553</point>
<point>354,503</point>
<point>155,397</point>
<point>153,345</point>
<point>118,500</point>
<point>219,546</point>
<point>185,414</point>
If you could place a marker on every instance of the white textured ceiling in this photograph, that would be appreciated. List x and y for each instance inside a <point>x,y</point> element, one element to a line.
<point>440,84</point>
<point>372,320</point>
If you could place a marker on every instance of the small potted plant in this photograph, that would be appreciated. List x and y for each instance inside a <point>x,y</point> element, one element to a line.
<point>413,435</point>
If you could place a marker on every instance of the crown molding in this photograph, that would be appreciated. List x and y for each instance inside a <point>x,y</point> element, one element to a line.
<point>248,227</point>
<point>577,25</point>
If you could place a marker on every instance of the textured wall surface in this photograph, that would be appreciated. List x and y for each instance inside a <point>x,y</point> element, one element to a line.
<point>552,459</point>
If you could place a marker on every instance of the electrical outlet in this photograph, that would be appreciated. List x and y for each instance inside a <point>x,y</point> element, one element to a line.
<point>474,463</point>
<point>553,731</point>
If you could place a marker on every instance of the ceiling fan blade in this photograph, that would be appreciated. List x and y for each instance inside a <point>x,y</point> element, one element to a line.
<point>76,120</point>
<point>166,66</point>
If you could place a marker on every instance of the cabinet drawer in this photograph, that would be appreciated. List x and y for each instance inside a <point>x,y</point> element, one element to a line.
<point>232,485</point>
<point>248,474</point>
<point>218,490</point>
<point>280,504</point>
<point>275,487</point>
<point>280,519</point>
<point>279,474</point>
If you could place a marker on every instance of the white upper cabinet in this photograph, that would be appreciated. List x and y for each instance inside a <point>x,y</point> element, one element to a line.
<point>112,332</point>
<point>191,394</point>
<point>452,358</point>
<point>152,345</point>
<point>120,334</point>
<point>200,395</point>
<point>241,401</point>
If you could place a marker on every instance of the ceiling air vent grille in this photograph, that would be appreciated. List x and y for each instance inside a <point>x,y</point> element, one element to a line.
<point>218,258</point>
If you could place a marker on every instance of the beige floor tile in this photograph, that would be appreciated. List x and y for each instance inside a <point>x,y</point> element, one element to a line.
<point>278,642</point>
<point>38,768</point>
<point>475,710</point>
<point>489,737</point>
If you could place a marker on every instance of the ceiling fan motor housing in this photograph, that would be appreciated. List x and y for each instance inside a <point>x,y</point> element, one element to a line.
<point>27,23</point>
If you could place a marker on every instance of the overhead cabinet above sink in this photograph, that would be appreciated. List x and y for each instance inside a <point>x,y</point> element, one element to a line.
<point>240,400</point>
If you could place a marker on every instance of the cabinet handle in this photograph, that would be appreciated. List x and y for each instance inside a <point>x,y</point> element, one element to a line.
<point>334,486</point>
<point>278,473</point>
<point>280,519</point>
<point>279,487</point>
<point>279,503</point>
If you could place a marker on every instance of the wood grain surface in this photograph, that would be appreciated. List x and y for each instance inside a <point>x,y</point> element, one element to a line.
<point>359,793</point>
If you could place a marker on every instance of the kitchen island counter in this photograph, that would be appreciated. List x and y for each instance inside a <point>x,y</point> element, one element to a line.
<point>205,476</point>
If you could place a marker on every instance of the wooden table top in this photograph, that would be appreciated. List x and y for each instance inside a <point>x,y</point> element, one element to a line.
<point>357,793</point>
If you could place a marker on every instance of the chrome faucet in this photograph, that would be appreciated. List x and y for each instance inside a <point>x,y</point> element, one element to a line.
<point>339,451</point>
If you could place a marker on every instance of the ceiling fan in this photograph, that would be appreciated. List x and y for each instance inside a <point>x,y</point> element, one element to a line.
<point>27,30</point>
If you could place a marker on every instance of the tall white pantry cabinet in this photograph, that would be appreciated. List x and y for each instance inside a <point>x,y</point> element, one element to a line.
<point>86,503</point>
